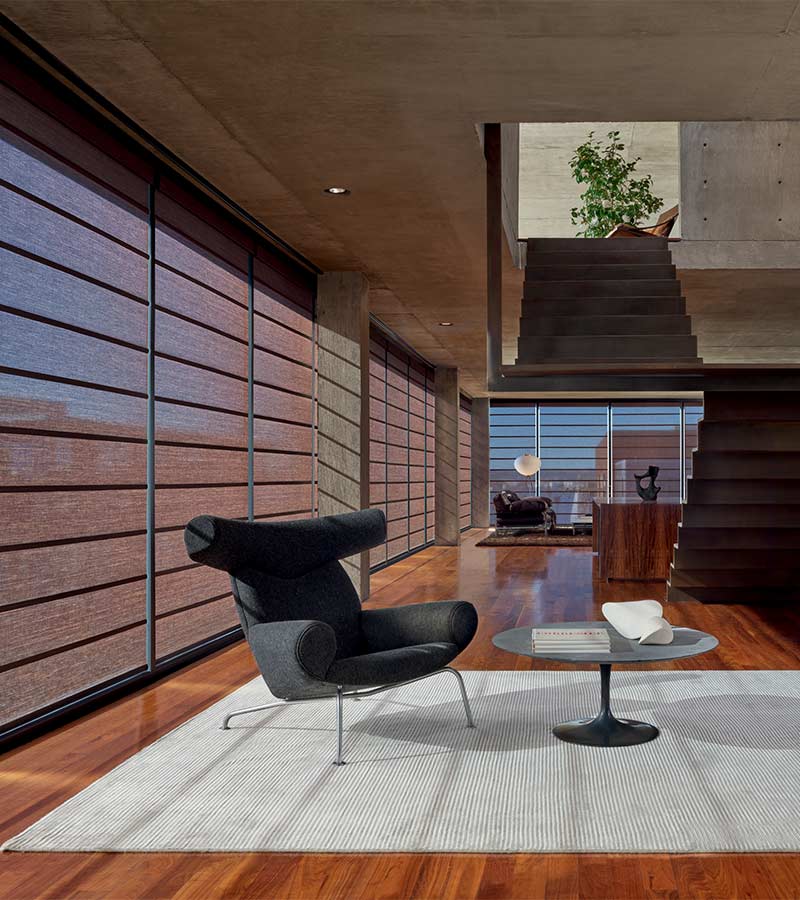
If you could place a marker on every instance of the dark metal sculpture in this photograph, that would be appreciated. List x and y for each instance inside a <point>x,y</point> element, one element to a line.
<point>650,491</point>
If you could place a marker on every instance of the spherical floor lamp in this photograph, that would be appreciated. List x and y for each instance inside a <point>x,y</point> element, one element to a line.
<point>528,465</point>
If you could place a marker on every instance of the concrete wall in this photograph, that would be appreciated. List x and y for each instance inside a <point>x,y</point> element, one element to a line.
<point>509,133</point>
<point>546,187</point>
<point>343,410</point>
<point>448,525</point>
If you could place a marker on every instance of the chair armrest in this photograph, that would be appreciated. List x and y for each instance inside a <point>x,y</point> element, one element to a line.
<point>451,621</point>
<point>294,657</point>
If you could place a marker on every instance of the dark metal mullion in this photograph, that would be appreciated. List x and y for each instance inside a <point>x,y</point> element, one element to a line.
<point>150,551</point>
<point>408,453</point>
<point>386,441</point>
<point>251,388</point>
<point>682,463</point>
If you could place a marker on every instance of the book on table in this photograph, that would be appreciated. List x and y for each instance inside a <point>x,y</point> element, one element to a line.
<point>571,640</point>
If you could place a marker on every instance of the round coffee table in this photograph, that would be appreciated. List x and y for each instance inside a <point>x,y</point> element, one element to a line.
<point>604,730</point>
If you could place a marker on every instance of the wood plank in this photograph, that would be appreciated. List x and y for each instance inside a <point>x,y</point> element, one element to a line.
<point>505,586</point>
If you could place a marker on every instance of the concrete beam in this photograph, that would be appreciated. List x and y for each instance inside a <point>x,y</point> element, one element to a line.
<point>448,531</point>
<point>343,403</point>
<point>480,462</point>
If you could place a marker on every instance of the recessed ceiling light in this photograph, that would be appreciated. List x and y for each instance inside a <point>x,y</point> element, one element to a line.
<point>336,190</point>
<point>445,324</point>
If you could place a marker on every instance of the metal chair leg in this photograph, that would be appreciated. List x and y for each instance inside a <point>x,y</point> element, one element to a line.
<point>339,724</point>
<point>251,709</point>
<point>467,709</point>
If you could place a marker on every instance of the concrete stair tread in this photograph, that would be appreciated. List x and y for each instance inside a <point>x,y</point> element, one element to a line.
<point>599,271</point>
<point>531,325</point>
<point>577,245</point>
<point>538,258</point>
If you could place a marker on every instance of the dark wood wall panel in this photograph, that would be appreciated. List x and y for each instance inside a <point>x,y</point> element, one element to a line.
<point>74,398</point>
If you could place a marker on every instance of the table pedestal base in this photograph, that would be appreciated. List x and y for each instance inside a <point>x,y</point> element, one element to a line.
<point>605,730</point>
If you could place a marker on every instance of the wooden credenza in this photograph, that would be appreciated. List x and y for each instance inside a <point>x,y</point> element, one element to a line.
<point>634,541</point>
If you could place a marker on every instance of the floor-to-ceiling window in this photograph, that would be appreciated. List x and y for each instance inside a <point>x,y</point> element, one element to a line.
<point>465,462</point>
<point>591,451</point>
<point>401,447</point>
<point>157,363</point>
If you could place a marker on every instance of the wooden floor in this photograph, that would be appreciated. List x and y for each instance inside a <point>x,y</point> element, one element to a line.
<point>510,586</point>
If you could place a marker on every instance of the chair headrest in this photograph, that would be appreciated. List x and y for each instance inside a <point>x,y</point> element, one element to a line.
<point>284,549</point>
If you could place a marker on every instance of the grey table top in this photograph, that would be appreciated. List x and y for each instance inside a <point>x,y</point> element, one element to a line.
<point>686,642</point>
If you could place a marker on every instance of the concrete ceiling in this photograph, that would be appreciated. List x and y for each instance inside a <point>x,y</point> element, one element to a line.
<point>272,101</point>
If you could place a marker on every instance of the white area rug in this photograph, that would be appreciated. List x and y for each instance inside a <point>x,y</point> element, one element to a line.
<point>723,776</point>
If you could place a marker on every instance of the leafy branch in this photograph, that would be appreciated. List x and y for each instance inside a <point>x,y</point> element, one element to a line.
<point>612,195</point>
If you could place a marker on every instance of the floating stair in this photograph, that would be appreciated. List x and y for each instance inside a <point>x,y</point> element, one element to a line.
<point>739,539</point>
<point>597,300</point>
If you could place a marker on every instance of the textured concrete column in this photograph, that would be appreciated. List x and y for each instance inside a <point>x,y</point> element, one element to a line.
<point>448,529</point>
<point>343,403</point>
<point>480,462</point>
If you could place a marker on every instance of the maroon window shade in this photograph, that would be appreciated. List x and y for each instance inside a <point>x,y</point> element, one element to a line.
<point>465,462</point>
<point>73,389</point>
<point>401,448</point>
<point>232,406</point>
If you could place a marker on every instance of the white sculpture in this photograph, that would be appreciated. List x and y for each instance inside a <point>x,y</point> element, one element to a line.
<point>640,619</point>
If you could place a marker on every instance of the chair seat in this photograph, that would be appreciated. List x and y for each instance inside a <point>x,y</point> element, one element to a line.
<point>391,666</point>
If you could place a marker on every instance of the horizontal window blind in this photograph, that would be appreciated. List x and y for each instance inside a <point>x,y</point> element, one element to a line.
<point>465,462</point>
<point>401,447</point>
<point>95,238</point>
<point>580,445</point>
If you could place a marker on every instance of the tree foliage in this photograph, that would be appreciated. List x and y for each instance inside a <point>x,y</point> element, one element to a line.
<point>613,195</point>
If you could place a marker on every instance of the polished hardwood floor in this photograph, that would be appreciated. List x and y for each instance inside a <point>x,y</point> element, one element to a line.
<point>510,586</point>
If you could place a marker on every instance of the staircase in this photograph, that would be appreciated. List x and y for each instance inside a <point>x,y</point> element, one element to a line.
<point>739,540</point>
<point>597,300</point>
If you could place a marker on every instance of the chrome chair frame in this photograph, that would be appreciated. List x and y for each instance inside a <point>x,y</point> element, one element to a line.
<point>341,693</point>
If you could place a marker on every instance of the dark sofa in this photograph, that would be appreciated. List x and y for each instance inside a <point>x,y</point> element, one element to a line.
<point>514,511</point>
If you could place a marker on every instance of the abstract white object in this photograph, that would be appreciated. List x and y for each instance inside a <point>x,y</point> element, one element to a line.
<point>640,619</point>
<point>527,464</point>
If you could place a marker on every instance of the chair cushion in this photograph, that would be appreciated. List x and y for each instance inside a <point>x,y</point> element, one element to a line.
<point>391,666</point>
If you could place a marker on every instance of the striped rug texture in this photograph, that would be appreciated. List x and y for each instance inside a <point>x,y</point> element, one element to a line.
<point>723,776</point>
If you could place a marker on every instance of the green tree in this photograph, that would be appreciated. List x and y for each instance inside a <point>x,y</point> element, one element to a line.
<point>612,194</point>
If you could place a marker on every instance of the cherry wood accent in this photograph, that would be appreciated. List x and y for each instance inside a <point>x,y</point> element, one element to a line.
<point>511,586</point>
<point>635,540</point>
